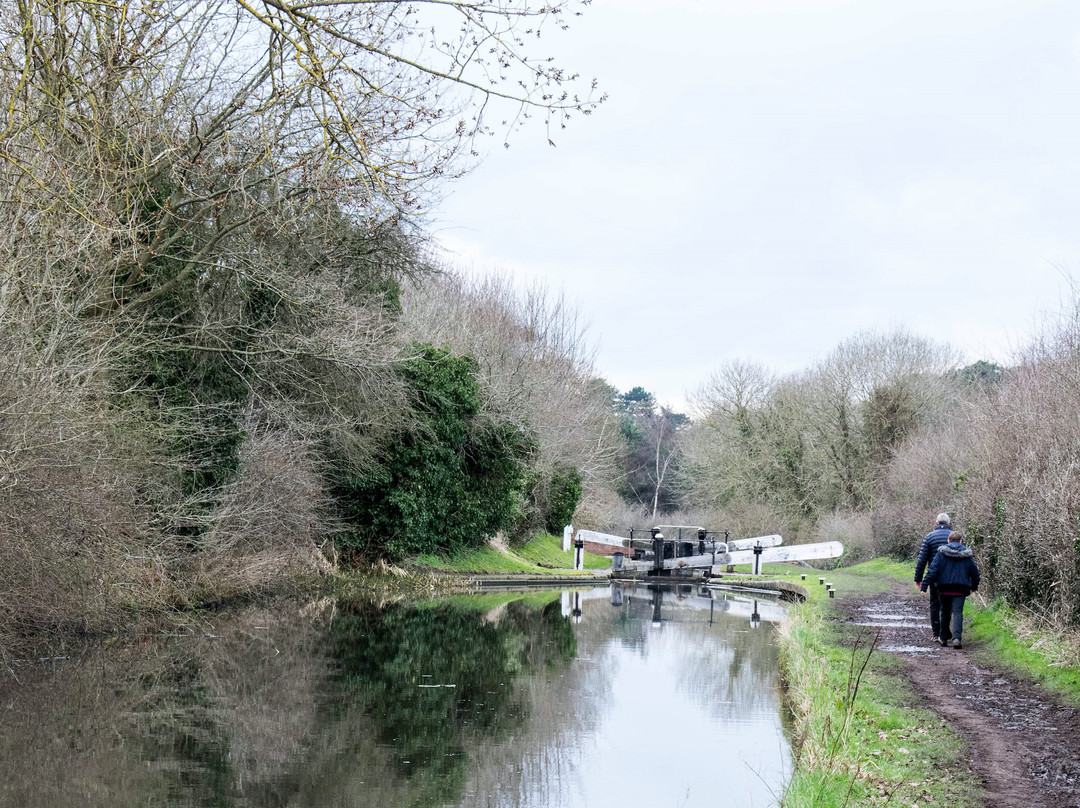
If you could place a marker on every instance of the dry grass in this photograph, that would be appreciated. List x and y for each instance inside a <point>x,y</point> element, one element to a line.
<point>1060,647</point>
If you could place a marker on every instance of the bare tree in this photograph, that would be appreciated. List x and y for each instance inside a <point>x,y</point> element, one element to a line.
<point>666,440</point>
<point>813,442</point>
<point>734,389</point>
<point>872,391</point>
<point>172,129</point>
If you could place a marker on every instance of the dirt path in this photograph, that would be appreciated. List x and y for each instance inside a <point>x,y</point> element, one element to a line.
<point>1024,745</point>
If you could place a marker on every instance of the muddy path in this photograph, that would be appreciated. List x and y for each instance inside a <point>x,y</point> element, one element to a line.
<point>1024,744</point>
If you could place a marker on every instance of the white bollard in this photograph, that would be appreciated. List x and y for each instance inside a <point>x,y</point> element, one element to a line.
<point>567,535</point>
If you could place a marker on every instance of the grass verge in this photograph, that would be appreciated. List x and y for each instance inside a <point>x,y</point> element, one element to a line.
<point>546,550</point>
<point>1019,642</point>
<point>871,578</point>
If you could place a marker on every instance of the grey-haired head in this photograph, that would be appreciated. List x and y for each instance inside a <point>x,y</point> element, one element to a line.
<point>943,519</point>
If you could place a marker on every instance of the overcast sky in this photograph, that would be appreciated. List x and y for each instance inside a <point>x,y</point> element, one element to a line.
<point>770,177</point>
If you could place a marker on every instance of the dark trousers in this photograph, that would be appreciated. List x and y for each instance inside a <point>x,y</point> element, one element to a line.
<point>952,616</point>
<point>935,610</point>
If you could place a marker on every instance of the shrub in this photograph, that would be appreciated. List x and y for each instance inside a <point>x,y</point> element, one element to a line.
<point>268,522</point>
<point>449,482</point>
<point>551,500</point>
<point>1021,513</point>
<point>76,476</point>
<point>852,529</point>
<point>897,530</point>
<point>563,497</point>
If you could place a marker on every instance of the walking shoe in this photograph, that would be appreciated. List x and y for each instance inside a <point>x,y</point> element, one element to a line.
<point>943,641</point>
<point>955,642</point>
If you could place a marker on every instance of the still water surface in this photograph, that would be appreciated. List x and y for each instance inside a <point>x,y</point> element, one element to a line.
<point>604,697</point>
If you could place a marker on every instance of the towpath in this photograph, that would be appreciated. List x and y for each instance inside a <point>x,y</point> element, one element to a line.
<point>1024,744</point>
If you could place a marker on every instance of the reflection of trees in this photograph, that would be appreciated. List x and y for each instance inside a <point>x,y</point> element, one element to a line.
<point>562,709</point>
<point>728,667</point>
<point>731,672</point>
<point>725,667</point>
<point>208,718</point>
<point>194,757</point>
<point>431,681</point>
<point>245,715</point>
<point>275,707</point>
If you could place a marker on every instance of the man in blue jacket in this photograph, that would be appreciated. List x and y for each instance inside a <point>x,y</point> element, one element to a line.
<point>954,573</point>
<point>931,543</point>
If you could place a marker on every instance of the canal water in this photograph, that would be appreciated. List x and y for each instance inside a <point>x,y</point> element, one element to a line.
<point>610,696</point>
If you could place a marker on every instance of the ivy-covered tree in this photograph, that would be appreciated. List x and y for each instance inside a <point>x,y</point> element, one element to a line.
<point>553,496</point>
<point>449,482</point>
<point>564,495</point>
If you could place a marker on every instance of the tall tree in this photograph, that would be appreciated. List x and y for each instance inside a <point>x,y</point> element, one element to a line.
<point>138,132</point>
<point>225,186</point>
<point>653,444</point>
<point>872,391</point>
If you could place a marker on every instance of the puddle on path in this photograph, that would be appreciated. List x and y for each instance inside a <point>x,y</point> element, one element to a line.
<point>910,649</point>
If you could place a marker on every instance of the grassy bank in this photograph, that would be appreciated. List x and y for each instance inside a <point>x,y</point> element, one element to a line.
<point>543,555</point>
<point>1028,646</point>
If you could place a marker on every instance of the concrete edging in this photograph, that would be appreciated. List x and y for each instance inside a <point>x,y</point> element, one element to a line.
<point>786,589</point>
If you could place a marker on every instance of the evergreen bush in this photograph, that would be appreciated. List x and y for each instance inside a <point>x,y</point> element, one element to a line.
<point>447,483</point>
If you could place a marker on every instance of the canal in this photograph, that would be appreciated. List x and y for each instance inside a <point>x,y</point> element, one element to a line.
<point>610,696</point>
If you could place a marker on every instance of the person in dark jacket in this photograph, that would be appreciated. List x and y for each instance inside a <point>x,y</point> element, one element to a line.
<point>931,543</point>
<point>955,574</point>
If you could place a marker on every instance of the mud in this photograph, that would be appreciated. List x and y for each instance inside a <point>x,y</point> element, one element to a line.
<point>1024,744</point>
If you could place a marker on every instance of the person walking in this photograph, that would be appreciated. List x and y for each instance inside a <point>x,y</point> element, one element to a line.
<point>931,543</point>
<point>955,574</point>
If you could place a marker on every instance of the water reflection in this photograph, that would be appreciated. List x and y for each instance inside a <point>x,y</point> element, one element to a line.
<point>628,696</point>
<point>433,681</point>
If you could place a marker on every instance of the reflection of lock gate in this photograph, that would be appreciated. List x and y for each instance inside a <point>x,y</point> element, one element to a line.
<point>684,603</point>
<point>694,547</point>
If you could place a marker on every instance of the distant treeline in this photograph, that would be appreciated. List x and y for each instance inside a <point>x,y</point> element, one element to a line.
<point>888,430</point>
